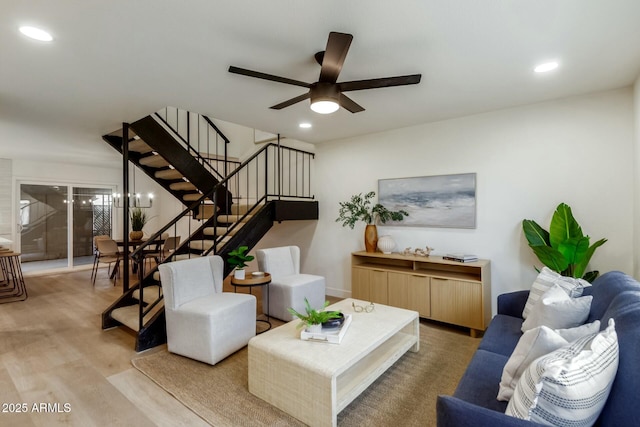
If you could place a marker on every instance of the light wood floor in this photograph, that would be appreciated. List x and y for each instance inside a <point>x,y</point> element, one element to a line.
<point>53,351</point>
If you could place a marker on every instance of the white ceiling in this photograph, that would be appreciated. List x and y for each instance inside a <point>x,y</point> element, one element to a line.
<point>114,61</point>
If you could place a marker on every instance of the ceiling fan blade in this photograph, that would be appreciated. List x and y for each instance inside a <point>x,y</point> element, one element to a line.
<point>349,104</point>
<point>265,76</point>
<point>334,56</point>
<point>381,82</point>
<point>291,101</point>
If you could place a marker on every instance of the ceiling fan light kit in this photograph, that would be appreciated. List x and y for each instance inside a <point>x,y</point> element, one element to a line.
<point>327,94</point>
<point>325,98</point>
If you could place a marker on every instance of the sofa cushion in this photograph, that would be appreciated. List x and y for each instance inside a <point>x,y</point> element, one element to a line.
<point>612,284</point>
<point>621,408</point>
<point>569,386</point>
<point>547,279</point>
<point>502,335</point>
<point>533,344</point>
<point>556,309</point>
<point>479,384</point>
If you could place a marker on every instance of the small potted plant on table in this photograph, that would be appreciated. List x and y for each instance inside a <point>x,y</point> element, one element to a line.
<point>239,259</point>
<point>138,220</point>
<point>313,319</point>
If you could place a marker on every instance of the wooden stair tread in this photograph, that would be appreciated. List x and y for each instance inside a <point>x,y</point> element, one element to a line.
<point>230,219</point>
<point>219,231</point>
<point>182,186</point>
<point>155,161</point>
<point>201,245</point>
<point>151,293</point>
<point>181,257</point>
<point>192,197</point>
<point>240,208</point>
<point>128,315</point>
<point>168,174</point>
<point>139,146</point>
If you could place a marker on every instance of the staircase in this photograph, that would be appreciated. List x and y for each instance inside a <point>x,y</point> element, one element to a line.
<point>227,203</point>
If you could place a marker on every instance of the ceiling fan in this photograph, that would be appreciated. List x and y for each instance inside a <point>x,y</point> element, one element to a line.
<point>327,95</point>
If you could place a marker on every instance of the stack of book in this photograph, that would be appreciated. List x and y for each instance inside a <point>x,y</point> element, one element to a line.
<point>460,257</point>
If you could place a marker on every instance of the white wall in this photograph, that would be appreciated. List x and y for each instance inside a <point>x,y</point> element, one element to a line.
<point>527,160</point>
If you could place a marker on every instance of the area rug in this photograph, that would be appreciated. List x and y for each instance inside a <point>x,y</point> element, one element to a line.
<point>404,395</point>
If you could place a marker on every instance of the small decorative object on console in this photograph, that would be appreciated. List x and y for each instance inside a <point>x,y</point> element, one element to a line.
<point>386,244</point>
<point>418,252</point>
<point>460,257</point>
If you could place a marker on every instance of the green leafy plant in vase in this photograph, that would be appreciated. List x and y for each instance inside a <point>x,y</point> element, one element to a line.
<point>361,208</point>
<point>313,319</point>
<point>239,259</point>
<point>139,219</point>
<point>564,248</point>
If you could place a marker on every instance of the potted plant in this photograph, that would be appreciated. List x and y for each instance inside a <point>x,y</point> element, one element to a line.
<point>564,248</point>
<point>138,220</point>
<point>360,208</point>
<point>239,259</point>
<point>313,319</point>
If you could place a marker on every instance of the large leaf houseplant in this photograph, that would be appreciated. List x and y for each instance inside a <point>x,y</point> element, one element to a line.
<point>564,248</point>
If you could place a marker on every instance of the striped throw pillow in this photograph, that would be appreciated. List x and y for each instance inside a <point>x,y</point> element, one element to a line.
<point>569,386</point>
<point>545,280</point>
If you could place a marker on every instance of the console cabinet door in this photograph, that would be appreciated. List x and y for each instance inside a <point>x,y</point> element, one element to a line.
<point>379,286</point>
<point>360,286</point>
<point>419,294</point>
<point>398,292</point>
<point>457,302</point>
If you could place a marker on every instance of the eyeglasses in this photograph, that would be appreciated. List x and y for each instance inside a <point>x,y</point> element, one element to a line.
<point>360,308</point>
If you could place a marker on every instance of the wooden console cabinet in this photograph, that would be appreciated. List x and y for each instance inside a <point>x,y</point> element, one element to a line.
<point>447,291</point>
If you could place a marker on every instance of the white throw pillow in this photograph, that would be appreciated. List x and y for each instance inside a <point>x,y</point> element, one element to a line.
<point>545,280</point>
<point>569,386</point>
<point>534,343</point>
<point>557,310</point>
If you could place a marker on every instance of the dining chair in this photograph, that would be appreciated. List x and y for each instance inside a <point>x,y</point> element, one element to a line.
<point>108,253</point>
<point>94,269</point>
<point>167,247</point>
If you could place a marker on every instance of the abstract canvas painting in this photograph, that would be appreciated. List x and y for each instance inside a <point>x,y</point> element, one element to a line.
<point>432,201</point>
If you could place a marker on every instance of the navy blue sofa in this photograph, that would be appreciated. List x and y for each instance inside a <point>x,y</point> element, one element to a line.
<point>615,295</point>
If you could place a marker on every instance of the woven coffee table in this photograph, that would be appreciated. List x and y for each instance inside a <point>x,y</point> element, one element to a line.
<point>314,381</point>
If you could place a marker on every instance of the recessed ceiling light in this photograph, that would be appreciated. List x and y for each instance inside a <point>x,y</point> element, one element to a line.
<point>305,125</point>
<point>36,33</point>
<point>547,66</point>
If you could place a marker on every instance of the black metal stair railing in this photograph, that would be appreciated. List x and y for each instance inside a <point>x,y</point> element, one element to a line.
<point>201,137</point>
<point>274,172</point>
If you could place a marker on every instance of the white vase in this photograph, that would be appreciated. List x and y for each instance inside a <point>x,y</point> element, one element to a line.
<point>314,329</point>
<point>386,244</point>
<point>239,274</point>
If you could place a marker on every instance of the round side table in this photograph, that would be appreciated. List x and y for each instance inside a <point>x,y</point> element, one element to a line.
<point>251,281</point>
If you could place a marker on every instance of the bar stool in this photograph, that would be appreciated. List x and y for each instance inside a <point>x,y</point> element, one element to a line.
<point>12,286</point>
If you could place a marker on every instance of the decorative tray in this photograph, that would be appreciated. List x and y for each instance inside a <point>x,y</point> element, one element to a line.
<point>331,335</point>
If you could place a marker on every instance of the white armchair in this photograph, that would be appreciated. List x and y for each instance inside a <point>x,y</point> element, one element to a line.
<point>288,286</point>
<point>204,323</point>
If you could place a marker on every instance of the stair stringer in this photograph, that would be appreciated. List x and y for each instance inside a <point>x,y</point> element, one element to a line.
<point>163,142</point>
